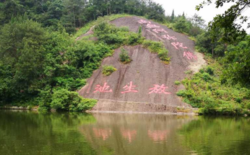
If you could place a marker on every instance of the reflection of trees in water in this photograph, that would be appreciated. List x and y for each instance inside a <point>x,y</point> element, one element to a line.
<point>43,134</point>
<point>217,135</point>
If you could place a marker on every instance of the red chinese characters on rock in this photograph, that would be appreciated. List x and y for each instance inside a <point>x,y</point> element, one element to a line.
<point>178,44</point>
<point>149,25</point>
<point>189,55</point>
<point>152,26</point>
<point>159,30</point>
<point>168,37</point>
<point>130,88</point>
<point>103,89</point>
<point>142,21</point>
<point>159,89</point>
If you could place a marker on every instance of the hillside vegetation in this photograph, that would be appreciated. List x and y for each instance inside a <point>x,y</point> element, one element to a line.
<point>41,63</point>
<point>45,67</point>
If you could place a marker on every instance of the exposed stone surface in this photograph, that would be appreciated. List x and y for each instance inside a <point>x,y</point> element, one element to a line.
<point>145,72</point>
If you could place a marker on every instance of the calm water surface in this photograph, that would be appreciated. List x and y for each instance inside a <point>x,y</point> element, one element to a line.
<point>28,133</point>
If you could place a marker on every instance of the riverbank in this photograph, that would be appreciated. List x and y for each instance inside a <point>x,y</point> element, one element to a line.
<point>205,90</point>
<point>19,108</point>
<point>175,111</point>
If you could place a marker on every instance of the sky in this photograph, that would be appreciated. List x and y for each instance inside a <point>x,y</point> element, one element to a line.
<point>188,7</point>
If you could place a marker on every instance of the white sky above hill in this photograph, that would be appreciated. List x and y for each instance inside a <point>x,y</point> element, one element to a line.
<point>188,7</point>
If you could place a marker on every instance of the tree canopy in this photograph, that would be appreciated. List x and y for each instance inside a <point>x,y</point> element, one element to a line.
<point>231,31</point>
<point>75,13</point>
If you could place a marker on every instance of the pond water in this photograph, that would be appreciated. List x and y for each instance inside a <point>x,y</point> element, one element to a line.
<point>29,133</point>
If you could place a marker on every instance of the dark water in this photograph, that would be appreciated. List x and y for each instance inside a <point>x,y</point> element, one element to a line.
<point>27,133</point>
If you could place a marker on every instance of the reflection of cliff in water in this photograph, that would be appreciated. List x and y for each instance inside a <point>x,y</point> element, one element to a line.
<point>132,134</point>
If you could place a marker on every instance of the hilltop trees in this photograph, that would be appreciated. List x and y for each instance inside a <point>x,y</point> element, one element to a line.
<point>172,16</point>
<point>191,26</point>
<point>226,39</point>
<point>75,13</point>
<point>231,31</point>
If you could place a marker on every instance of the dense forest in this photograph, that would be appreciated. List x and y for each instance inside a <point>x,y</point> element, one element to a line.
<point>72,14</point>
<point>42,64</point>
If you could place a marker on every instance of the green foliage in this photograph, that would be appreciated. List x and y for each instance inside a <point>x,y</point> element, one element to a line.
<point>157,47</point>
<point>181,93</point>
<point>99,20</point>
<point>231,31</point>
<point>248,106</point>
<point>135,39</point>
<point>163,55</point>
<point>111,35</point>
<point>32,53</point>
<point>35,60</point>
<point>182,25</point>
<point>190,26</point>
<point>63,99</point>
<point>172,16</point>
<point>188,72</point>
<point>140,31</point>
<point>236,63</point>
<point>72,14</point>
<point>204,90</point>
<point>206,44</point>
<point>71,101</point>
<point>203,43</point>
<point>153,46</point>
<point>108,70</point>
<point>210,70</point>
<point>206,77</point>
<point>70,83</point>
<point>177,82</point>
<point>115,37</point>
<point>86,56</point>
<point>124,57</point>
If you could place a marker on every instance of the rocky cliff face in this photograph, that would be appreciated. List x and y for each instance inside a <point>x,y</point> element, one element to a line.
<point>146,84</point>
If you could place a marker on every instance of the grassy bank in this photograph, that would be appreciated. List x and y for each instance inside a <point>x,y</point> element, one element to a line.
<point>205,90</point>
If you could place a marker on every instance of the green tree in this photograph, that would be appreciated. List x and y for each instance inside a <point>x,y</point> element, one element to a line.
<point>232,32</point>
<point>172,16</point>
<point>182,25</point>
<point>33,54</point>
<point>54,13</point>
<point>237,64</point>
<point>198,21</point>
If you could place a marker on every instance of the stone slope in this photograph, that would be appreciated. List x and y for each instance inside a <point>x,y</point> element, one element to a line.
<point>146,84</point>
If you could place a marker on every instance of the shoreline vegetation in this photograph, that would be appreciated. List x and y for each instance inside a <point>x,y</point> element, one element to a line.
<point>205,91</point>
